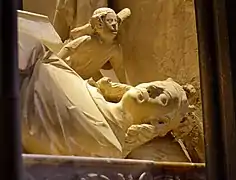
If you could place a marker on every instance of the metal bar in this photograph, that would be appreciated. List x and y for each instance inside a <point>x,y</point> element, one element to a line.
<point>229,124</point>
<point>217,89</point>
<point>10,146</point>
<point>209,87</point>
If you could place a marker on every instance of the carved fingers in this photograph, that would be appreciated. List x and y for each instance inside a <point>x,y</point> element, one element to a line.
<point>104,81</point>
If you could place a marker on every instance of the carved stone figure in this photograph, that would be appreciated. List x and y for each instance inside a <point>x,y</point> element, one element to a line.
<point>95,45</point>
<point>64,115</point>
<point>113,92</point>
<point>69,14</point>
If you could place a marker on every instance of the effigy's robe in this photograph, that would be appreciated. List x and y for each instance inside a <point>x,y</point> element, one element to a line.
<point>54,107</point>
<point>39,26</point>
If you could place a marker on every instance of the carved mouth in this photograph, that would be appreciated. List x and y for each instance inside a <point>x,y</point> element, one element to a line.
<point>114,32</point>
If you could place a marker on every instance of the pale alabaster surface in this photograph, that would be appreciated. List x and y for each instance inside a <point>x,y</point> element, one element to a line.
<point>64,115</point>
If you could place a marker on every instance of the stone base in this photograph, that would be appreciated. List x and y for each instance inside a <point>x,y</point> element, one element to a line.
<point>41,167</point>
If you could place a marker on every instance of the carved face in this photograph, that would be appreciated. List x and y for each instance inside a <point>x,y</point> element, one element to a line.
<point>161,103</point>
<point>111,22</point>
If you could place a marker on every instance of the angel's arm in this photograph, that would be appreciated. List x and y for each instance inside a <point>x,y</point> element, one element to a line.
<point>71,47</point>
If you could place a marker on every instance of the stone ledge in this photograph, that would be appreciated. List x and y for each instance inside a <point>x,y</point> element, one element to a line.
<point>41,167</point>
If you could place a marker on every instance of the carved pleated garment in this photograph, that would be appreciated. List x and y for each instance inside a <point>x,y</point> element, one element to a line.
<point>58,113</point>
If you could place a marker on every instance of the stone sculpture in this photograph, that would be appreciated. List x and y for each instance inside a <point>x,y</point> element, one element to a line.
<point>62,114</point>
<point>114,92</point>
<point>73,13</point>
<point>94,45</point>
<point>154,149</point>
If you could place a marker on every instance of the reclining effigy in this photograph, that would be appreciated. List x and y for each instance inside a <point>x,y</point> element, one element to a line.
<point>63,113</point>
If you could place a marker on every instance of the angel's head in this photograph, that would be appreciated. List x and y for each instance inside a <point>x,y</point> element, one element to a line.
<point>105,22</point>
